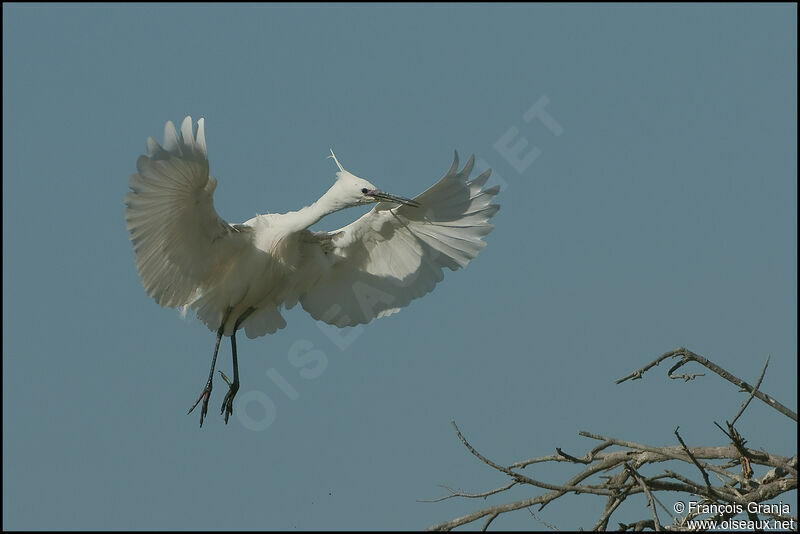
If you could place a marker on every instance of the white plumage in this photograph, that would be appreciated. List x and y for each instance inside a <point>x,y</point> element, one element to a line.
<point>240,275</point>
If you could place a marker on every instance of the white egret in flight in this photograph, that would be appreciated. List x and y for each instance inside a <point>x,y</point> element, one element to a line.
<point>238,276</point>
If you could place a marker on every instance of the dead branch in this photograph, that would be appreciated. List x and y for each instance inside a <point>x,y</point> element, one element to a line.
<point>693,459</point>
<point>651,502</point>
<point>689,356</point>
<point>752,394</point>
<point>456,493</point>
<point>617,474</point>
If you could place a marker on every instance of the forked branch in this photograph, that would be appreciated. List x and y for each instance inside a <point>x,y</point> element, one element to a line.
<point>614,469</point>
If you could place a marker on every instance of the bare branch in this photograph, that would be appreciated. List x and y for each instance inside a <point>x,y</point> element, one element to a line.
<point>456,493</point>
<point>650,501</point>
<point>638,526</point>
<point>489,521</point>
<point>637,375</point>
<point>474,516</point>
<point>588,458</point>
<point>694,460</point>
<point>687,356</point>
<point>572,458</point>
<point>519,477</point>
<point>545,523</point>
<point>618,473</point>
<point>612,504</point>
<point>738,442</point>
<point>752,394</point>
<point>672,453</point>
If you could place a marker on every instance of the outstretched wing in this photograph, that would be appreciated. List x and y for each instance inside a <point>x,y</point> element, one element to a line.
<point>179,240</point>
<point>394,254</point>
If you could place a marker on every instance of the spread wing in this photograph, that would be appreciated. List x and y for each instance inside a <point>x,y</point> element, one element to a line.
<point>395,254</point>
<point>180,242</point>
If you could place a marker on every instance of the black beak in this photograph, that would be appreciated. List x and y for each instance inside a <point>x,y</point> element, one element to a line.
<point>386,197</point>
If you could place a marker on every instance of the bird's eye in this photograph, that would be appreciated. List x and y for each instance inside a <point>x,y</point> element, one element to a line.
<point>365,190</point>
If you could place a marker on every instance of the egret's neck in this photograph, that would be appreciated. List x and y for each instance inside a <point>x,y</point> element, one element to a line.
<point>310,215</point>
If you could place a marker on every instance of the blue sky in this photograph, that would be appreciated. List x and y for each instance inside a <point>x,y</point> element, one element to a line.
<point>653,205</point>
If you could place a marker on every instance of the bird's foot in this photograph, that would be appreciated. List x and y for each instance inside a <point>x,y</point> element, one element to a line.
<point>227,402</point>
<point>204,396</point>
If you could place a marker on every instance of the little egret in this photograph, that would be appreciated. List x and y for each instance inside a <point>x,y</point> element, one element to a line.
<point>240,275</point>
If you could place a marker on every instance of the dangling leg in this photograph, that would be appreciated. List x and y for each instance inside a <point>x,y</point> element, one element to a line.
<point>206,394</point>
<point>233,387</point>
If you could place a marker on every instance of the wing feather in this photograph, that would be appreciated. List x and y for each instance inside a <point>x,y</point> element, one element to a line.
<point>179,240</point>
<point>393,255</point>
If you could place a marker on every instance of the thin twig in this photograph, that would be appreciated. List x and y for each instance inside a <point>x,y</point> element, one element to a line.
<point>637,375</point>
<point>612,504</point>
<point>694,460</point>
<point>572,458</point>
<point>752,394</point>
<point>489,521</point>
<point>545,523</point>
<point>456,493</point>
<point>650,501</point>
<point>590,457</point>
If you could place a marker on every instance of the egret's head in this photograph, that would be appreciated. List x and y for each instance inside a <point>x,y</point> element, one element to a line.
<point>350,190</point>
